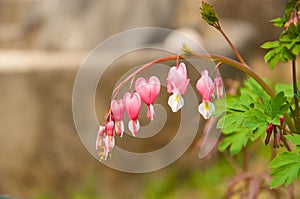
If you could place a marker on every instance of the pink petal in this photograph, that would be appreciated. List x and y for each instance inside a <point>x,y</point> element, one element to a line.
<point>205,86</point>
<point>134,127</point>
<point>100,136</point>
<point>110,127</point>
<point>109,143</point>
<point>132,105</point>
<point>148,89</point>
<point>150,112</point>
<point>119,126</point>
<point>219,87</point>
<point>117,109</point>
<point>177,79</point>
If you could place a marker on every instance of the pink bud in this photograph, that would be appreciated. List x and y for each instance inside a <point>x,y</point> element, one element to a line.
<point>177,80</point>
<point>110,127</point>
<point>219,87</point>
<point>205,86</point>
<point>100,136</point>
<point>117,109</point>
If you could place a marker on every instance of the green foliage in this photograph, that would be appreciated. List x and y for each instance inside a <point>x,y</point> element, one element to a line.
<point>287,47</point>
<point>285,169</point>
<point>295,139</point>
<point>248,116</point>
<point>209,14</point>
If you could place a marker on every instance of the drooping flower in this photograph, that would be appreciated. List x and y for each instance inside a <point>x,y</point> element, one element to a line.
<point>133,106</point>
<point>205,87</point>
<point>100,137</point>
<point>117,109</point>
<point>101,143</point>
<point>110,139</point>
<point>277,131</point>
<point>148,91</point>
<point>177,82</point>
<point>219,87</point>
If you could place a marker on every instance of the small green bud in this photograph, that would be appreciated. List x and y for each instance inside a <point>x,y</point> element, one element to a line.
<point>209,14</point>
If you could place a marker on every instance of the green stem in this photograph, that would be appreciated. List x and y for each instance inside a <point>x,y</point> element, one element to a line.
<point>296,111</point>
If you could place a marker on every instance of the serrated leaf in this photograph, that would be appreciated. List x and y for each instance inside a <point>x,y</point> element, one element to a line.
<point>285,168</point>
<point>295,139</point>
<point>278,104</point>
<point>232,122</point>
<point>234,142</point>
<point>255,118</point>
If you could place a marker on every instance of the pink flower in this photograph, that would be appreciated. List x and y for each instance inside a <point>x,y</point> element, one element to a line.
<point>177,82</point>
<point>205,87</point>
<point>133,106</point>
<point>219,87</point>
<point>100,136</point>
<point>148,91</point>
<point>109,139</point>
<point>117,109</point>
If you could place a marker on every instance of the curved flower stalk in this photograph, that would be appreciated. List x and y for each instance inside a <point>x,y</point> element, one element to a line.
<point>206,87</point>
<point>117,109</point>
<point>133,106</point>
<point>177,82</point>
<point>148,91</point>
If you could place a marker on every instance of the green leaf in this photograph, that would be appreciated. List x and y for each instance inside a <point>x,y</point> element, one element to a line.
<point>278,104</point>
<point>209,14</point>
<point>255,118</point>
<point>295,139</point>
<point>273,61</point>
<point>296,49</point>
<point>270,44</point>
<point>278,22</point>
<point>285,168</point>
<point>234,142</point>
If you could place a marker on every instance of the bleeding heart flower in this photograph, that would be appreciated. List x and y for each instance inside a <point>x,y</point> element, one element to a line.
<point>109,139</point>
<point>133,106</point>
<point>148,91</point>
<point>117,109</point>
<point>100,137</point>
<point>205,87</point>
<point>177,82</point>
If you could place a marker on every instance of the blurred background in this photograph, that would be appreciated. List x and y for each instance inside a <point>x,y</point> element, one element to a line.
<point>43,43</point>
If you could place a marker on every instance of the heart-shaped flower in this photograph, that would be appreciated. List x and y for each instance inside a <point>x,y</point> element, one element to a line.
<point>177,82</point>
<point>205,87</point>
<point>117,109</point>
<point>148,91</point>
<point>133,106</point>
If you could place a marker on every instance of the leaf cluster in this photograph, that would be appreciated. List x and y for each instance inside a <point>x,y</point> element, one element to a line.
<point>285,167</point>
<point>248,115</point>
<point>287,47</point>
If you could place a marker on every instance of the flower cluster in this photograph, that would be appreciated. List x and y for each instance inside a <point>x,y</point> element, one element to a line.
<point>147,90</point>
<point>277,131</point>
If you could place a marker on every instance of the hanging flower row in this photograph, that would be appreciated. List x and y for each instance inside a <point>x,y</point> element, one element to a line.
<point>147,90</point>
